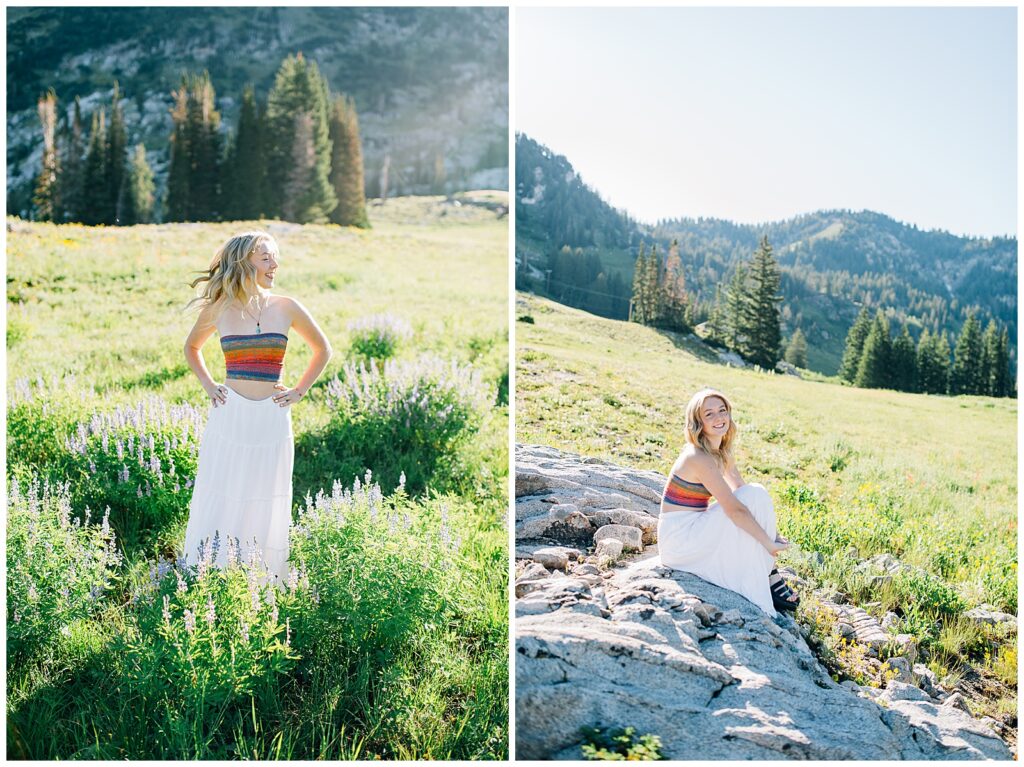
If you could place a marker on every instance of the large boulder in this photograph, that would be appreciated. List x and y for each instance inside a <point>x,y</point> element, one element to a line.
<point>672,655</point>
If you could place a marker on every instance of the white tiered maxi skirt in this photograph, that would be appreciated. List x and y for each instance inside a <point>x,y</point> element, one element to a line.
<point>709,545</point>
<point>243,486</point>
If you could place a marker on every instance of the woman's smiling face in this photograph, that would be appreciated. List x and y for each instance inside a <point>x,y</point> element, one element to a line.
<point>265,259</point>
<point>714,417</point>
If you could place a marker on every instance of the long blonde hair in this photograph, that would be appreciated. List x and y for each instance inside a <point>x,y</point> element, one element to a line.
<point>695,427</point>
<point>231,274</point>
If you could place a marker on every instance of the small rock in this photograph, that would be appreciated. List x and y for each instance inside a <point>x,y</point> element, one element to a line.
<point>631,537</point>
<point>879,580</point>
<point>586,569</point>
<point>956,700</point>
<point>524,587</point>
<point>610,548</point>
<point>534,570</point>
<point>897,690</point>
<point>926,679</point>
<point>986,614</point>
<point>707,613</point>
<point>908,647</point>
<point>846,631</point>
<point>561,511</point>
<point>552,558</point>
<point>732,616</point>
<point>889,620</point>
<point>903,670</point>
<point>849,684</point>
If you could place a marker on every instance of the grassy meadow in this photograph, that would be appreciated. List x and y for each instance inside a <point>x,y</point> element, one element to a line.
<point>854,473</point>
<point>390,640</point>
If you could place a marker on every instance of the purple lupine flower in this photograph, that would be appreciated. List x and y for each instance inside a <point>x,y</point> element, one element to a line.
<point>167,611</point>
<point>244,630</point>
<point>211,613</point>
<point>182,587</point>
<point>190,621</point>
<point>120,449</point>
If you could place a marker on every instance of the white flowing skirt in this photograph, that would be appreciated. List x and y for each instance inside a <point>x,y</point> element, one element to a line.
<point>243,487</point>
<point>709,545</point>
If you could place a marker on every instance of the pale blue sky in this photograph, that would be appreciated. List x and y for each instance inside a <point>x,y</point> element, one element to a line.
<point>760,114</point>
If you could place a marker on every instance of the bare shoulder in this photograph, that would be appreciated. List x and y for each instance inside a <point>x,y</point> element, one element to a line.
<point>694,465</point>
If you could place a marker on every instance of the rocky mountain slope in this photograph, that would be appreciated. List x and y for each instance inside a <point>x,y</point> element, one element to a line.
<point>430,84</point>
<point>671,655</point>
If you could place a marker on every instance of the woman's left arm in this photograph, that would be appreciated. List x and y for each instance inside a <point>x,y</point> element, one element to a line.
<point>732,475</point>
<point>311,333</point>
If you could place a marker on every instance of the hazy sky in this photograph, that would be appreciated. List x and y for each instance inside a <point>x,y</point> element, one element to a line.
<point>759,114</point>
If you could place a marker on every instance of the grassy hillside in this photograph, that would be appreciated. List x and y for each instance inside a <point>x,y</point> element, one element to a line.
<point>391,640</point>
<point>931,480</point>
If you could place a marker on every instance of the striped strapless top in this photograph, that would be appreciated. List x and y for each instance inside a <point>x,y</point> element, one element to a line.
<point>692,496</point>
<point>255,357</point>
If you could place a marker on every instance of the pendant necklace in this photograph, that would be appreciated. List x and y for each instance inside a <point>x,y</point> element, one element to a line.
<point>259,318</point>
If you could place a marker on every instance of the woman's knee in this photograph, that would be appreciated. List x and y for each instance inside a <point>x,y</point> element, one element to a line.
<point>757,499</point>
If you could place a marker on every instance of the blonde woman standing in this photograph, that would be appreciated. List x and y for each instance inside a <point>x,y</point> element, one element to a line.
<point>243,489</point>
<point>732,542</point>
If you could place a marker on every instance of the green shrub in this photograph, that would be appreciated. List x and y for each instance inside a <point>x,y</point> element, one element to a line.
<point>405,418</point>
<point>57,568</point>
<point>378,336</point>
<point>620,744</point>
<point>141,462</point>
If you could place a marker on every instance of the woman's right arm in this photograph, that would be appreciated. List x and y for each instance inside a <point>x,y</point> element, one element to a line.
<point>201,331</point>
<point>710,476</point>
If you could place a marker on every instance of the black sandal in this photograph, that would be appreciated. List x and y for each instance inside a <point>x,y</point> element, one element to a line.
<point>781,593</point>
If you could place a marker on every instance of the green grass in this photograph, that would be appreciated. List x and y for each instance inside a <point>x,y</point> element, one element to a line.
<point>931,480</point>
<point>96,313</point>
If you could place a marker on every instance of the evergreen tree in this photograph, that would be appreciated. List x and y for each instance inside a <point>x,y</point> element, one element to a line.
<point>47,192</point>
<point>796,352</point>
<point>178,173</point>
<point>193,189</point>
<point>763,319</point>
<point>736,309</point>
<point>933,363</point>
<point>72,168</point>
<point>299,94</point>
<point>968,371</point>
<point>989,358</point>
<point>717,327</point>
<point>347,165</point>
<point>117,155</point>
<point>674,301</point>
<point>873,371</point>
<point>245,188</point>
<point>639,299</point>
<point>1002,385</point>
<point>904,362</point>
<point>855,339</point>
<point>95,176</point>
<point>139,199</point>
<point>654,278</point>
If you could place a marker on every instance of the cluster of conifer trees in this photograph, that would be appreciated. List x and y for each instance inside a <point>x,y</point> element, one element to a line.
<point>298,157</point>
<point>980,362</point>
<point>94,181</point>
<point>747,319</point>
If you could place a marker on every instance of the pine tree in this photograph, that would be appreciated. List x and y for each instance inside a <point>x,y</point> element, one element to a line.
<point>303,160</point>
<point>855,339</point>
<point>933,363</point>
<point>968,370</point>
<point>653,281</point>
<point>72,168</point>
<point>139,199</point>
<point>796,352</point>
<point>298,90</point>
<point>763,318</point>
<point>874,369</point>
<point>204,142</point>
<point>245,187</point>
<point>717,327</point>
<point>1002,385</point>
<point>95,176</point>
<point>46,199</point>
<point>639,299</point>
<point>736,309</point>
<point>674,301</point>
<point>347,165</point>
<point>117,156</point>
<point>904,362</point>
<point>179,173</point>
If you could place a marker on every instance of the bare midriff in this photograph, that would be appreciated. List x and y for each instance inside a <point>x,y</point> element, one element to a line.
<point>253,390</point>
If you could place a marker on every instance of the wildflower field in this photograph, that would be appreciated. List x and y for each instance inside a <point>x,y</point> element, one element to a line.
<point>854,473</point>
<point>390,639</point>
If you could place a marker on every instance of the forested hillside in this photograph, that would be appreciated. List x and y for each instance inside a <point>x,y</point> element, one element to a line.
<point>430,84</point>
<point>831,262</point>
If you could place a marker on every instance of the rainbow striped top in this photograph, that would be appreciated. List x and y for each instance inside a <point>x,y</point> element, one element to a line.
<point>255,357</point>
<point>692,496</point>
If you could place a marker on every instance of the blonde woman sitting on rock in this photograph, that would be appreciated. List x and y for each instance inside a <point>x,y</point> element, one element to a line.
<point>732,542</point>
